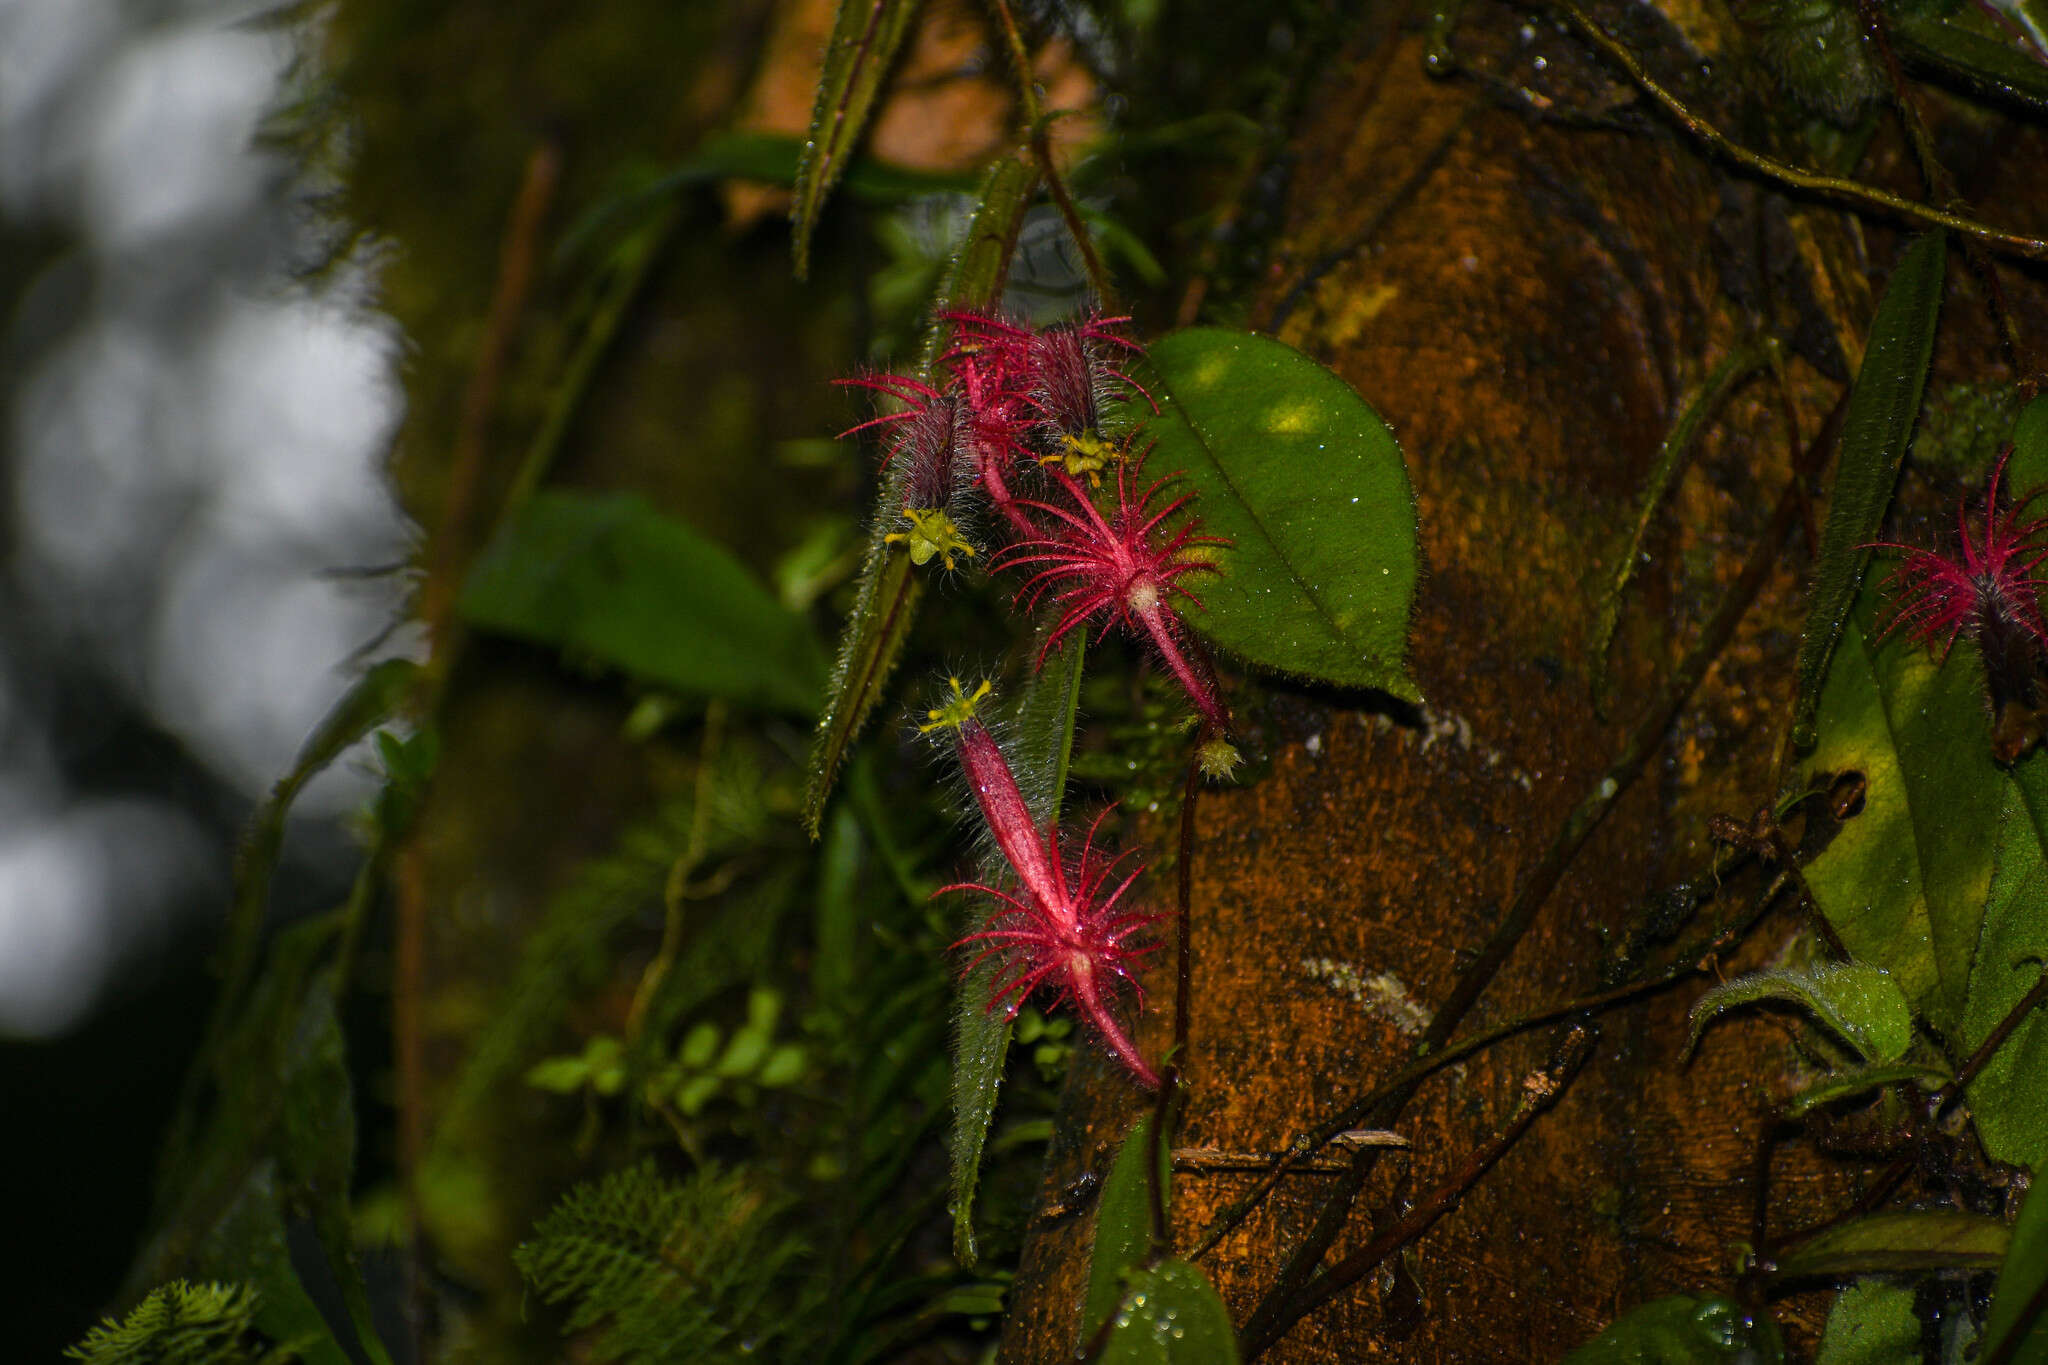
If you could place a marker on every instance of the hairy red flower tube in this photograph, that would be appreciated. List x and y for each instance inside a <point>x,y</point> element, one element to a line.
<point>1065,926</point>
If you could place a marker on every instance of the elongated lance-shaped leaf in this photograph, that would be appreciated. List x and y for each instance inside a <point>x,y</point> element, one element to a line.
<point>865,36</point>
<point>2016,1303</point>
<point>1700,406</point>
<point>1899,1242</point>
<point>1123,1223</point>
<point>1042,724</point>
<point>1986,66</point>
<point>1859,1003</point>
<point>885,604</point>
<point>1874,435</point>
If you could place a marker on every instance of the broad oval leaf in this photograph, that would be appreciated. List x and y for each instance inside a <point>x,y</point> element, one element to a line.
<point>1684,1329</point>
<point>1123,1224</point>
<point>2008,1101</point>
<point>1874,435</point>
<point>1171,1316</point>
<point>2017,1306</point>
<point>1897,1243</point>
<point>1305,481</point>
<point>865,36</point>
<point>1859,1003</point>
<point>1872,1323</point>
<point>606,578</point>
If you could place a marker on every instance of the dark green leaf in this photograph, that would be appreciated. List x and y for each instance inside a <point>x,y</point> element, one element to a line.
<point>1684,1329</point>
<point>2028,468</point>
<point>1171,1316</point>
<point>1859,1003</point>
<point>1042,724</point>
<point>1700,404</point>
<point>1899,1242</point>
<point>606,578</point>
<point>1123,1223</point>
<point>1874,435</point>
<point>2020,1301</point>
<point>1992,67</point>
<point>1872,1323</point>
<point>865,36</point>
<point>1905,881</point>
<point>2008,1099</point>
<point>885,605</point>
<point>1306,482</point>
<point>1861,1081</point>
<point>248,1244</point>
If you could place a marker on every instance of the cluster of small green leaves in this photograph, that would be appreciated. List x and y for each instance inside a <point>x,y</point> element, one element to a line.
<point>184,1324</point>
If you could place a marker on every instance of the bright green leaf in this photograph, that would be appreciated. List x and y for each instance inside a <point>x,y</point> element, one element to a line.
<point>2008,1100</point>
<point>1685,1329</point>
<point>700,1045</point>
<point>2017,1303</point>
<point>1042,727</point>
<point>744,1054</point>
<point>1904,882</point>
<point>606,578</point>
<point>885,603</point>
<point>1859,1003</point>
<point>1171,1316</point>
<point>1123,1223</point>
<point>1874,434</point>
<point>1872,1323</point>
<point>1898,1243</point>
<point>865,36</point>
<point>562,1075</point>
<point>698,1091</point>
<point>785,1066</point>
<point>1306,482</point>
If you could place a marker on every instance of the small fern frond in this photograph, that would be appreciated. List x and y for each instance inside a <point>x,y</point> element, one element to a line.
<point>178,1324</point>
<point>660,1270</point>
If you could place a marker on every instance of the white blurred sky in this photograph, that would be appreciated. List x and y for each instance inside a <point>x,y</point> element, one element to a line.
<point>192,453</point>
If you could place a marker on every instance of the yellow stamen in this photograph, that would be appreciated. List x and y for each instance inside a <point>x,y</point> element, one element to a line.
<point>955,713</point>
<point>931,532</point>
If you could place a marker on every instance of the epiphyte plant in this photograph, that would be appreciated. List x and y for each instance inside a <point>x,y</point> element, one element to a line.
<point>1989,591</point>
<point>1065,925</point>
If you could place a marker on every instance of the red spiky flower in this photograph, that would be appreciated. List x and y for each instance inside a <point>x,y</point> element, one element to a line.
<point>931,436</point>
<point>1122,569</point>
<point>1065,377</point>
<point>1990,591</point>
<point>1065,927</point>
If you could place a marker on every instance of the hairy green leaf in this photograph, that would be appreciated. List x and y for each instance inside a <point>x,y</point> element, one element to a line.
<point>1307,484</point>
<point>865,36</point>
<point>1874,434</point>
<point>1699,405</point>
<point>1872,1323</point>
<point>1898,1242</point>
<point>606,578</point>
<point>1171,1316</point>
<point>1042,730</point>
<point>1684,1329</point>
<point>1984,65</point>
<point>1859,1003</point>
<point>2019,1303</point>
<point>1123,1223</point>
<point>1904,883</point>
<point>1862,1080</point>
<point>885,603</point>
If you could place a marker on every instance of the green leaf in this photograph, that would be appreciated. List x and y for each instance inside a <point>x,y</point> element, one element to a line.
<point>1171,1316</point>
<point>885,604</point>
<point>1875,430</point>
<point>562,1075</point>
<point>1307,484</point>
<point>1700,404</point>
<point>1859,1003</point>
<point>1897,1243</point>
<point>865,36</point>
<point>1872,1323</point>
<point>1123,1223</point>
<point>1042,727</point>
<point>700,1044</point>
<point>1861,1080</point>
<point>606,578</point>
<point>2028,468</point>
<point>1684,1329</point>
<point>178,1324</point>
<point>2019,1303</point>
<point>248,1244</point>
<point>1904,882</point>
<point>1982,64</point>
<point>2008,1101</point>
